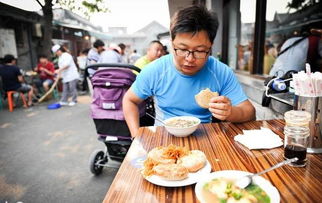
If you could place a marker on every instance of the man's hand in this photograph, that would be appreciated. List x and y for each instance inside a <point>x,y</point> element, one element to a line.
<point>220,107</point>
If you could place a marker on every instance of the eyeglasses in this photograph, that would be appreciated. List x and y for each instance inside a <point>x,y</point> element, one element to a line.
<point>196,54</point>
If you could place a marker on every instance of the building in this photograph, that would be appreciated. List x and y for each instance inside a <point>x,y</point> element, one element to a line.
<point>20,35</point>
<point>75,32</point>
<point>138,40</point>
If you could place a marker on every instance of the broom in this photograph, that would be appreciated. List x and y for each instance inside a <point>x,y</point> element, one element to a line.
<point>49,91</point>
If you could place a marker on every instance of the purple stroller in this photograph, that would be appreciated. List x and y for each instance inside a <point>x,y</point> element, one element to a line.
<point>109,84</point>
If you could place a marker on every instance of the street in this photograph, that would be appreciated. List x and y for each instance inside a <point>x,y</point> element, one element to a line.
<point>44,155</point>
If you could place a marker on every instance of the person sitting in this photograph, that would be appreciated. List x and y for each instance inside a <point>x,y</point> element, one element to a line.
<point>46,72</point>
<point>154,51</point>
<point>12,78</point>
<point>174,80</point>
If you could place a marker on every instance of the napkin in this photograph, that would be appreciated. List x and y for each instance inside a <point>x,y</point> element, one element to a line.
<point>263,138</point>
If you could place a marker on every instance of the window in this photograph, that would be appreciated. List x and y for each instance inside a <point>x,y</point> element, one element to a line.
<point>287,21</point>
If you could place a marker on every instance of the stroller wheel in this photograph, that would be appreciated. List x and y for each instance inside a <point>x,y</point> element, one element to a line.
<point>97,157</point>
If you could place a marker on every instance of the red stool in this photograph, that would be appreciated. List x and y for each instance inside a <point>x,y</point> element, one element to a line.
<point>10,99</point>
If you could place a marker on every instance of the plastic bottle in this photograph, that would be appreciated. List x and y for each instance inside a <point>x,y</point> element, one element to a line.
<point>279,85</point>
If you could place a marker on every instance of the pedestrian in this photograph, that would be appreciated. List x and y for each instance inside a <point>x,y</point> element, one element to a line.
<point>68,72</point>
<point>94,53</point>
<point>174,80</point>
<point>134,56</point>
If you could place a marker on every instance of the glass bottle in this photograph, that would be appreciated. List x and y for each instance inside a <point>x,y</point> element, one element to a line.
<point>296,136</point>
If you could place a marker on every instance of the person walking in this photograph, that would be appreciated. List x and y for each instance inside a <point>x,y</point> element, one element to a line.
<point>68,72</point>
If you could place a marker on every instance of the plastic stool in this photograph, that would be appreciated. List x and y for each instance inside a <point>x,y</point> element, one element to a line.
<point>10,99</point>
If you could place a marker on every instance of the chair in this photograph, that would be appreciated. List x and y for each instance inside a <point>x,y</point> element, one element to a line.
<point>10,99</point>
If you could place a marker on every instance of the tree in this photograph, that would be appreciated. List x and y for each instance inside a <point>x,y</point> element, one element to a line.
<point>83,8</point>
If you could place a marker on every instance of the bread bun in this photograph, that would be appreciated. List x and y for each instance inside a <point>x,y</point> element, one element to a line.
<point>204,96</point>
<point>171,171</point>
<point>156,154</point>
<point>193,161</point>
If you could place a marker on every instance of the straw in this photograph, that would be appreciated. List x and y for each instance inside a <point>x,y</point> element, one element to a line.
<point>308,84</point>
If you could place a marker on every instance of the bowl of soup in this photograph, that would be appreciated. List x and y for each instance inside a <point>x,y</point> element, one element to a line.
<point>220,186</point>
<point>182,126</point>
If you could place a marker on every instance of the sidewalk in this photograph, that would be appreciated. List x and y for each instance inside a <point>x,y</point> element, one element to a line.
<point>44,155</point>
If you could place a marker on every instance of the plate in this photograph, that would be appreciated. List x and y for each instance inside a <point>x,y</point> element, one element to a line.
<point>270,190</point>
<point>191,179</point>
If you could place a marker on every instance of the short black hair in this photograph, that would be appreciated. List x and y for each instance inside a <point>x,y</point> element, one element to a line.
<point>194,19</point>
<point>42,56</point>
<point>8,58</point>
<point>122,46</point>
<point>98,43</point>
<point>155,41</point>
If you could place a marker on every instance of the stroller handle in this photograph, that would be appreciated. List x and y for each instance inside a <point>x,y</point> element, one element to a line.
<point>112,65</point>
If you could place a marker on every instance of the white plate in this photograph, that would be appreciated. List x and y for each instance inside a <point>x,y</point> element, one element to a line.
<point>270,190</point>
<point>191,179</point>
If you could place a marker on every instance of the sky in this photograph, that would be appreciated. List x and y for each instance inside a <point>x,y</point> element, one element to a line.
<point>248,7</point>
<point>134,14</point>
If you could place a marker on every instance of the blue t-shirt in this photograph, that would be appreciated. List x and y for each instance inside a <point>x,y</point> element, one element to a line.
<point>174,93</point>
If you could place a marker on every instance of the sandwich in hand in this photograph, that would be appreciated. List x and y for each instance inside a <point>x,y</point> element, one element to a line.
<point>204,96</point>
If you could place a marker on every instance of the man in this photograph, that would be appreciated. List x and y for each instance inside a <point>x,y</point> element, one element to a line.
<point>12,78</point>
<point>92,57</point>
<point>295,52</point>
<point>46,71</point>
<point>134,57</point>
<point>175,79</point>
<point>122,53</point>
<point>94,53</point>
<point>154,51</point>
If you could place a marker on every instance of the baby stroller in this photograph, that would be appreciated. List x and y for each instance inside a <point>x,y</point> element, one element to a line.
<point>109,84</point>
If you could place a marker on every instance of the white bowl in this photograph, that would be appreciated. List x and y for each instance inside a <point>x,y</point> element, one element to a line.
<point>264,184</point>
<point>182,131</point>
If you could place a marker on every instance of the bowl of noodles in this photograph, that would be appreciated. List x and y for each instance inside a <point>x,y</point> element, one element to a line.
<point>220,186</point>
<point>182,126</point>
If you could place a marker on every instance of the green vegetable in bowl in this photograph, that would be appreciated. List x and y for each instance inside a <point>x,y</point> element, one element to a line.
<point>258,193</point>
<point>224,190</point>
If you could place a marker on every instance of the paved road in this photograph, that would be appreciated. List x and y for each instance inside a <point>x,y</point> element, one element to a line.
<point>44,155</point>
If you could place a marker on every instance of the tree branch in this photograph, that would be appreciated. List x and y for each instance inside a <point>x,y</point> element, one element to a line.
<point>40,4</point>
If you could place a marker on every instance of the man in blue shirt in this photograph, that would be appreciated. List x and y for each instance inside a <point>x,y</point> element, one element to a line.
<point>175,79</point>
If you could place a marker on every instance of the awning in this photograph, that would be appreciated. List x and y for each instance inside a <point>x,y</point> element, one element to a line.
<point>100,35</point>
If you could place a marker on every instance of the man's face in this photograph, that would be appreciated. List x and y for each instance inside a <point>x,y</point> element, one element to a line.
<point>198,43</point>
<point>155,51</point>
<point>43,60</point>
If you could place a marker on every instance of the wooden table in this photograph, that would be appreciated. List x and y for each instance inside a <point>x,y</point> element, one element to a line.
<point>216,141</point>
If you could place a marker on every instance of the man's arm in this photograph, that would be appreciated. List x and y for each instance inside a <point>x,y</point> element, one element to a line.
<point>131,111</point>
<point>221,108</point>
<point>20,79</point>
